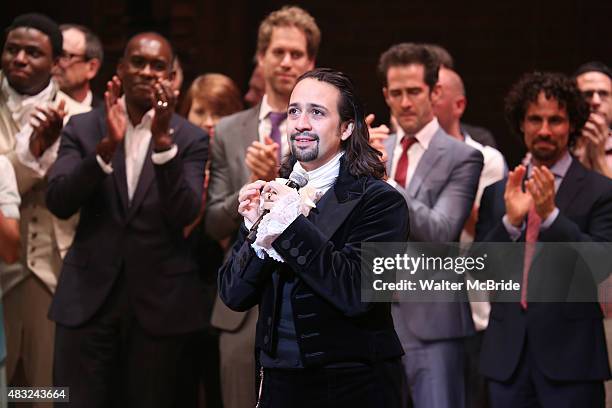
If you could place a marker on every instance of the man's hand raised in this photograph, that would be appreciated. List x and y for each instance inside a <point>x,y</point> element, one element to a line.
<point>116,120</point>
<point>164,105</point>
<point>377,136</point>
<point>541,186</point>
<point>517,201</point>
<point>47,125</point>
<point>262,160</point>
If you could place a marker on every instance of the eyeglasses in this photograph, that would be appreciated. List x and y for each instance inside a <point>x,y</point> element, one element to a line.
<point>69,58</point>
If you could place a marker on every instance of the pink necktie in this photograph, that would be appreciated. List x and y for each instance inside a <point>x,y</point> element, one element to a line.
<point>531,237</point>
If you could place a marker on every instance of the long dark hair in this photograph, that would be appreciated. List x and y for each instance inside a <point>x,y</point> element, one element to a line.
<point>360,158</point>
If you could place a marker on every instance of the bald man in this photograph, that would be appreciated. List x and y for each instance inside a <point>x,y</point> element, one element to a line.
<point>449,109</point>
<point>129,298</point>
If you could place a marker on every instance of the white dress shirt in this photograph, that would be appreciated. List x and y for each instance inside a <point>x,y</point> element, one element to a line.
<point>265,126</point>
<point>136,143</point>
<point>416,151</point>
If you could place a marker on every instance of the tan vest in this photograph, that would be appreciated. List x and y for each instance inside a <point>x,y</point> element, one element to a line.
<point>45,239</point>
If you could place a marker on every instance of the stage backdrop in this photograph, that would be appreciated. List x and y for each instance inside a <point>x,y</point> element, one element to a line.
<point>492,42</point>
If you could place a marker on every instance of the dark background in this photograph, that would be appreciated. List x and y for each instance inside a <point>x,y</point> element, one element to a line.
<point>492,42</point>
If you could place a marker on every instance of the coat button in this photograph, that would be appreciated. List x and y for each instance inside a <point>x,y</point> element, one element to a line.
<point>266,340</point>
<point>301,260</point>
<point>285,244</point>
<point>294,252</point>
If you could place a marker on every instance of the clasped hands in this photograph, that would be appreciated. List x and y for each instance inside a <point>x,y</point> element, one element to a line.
<point>47,125</point>
<point>253,196</point>
<point>539,191</point>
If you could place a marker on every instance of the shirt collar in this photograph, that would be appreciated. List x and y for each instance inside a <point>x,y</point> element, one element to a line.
<point>559,169</point>
<point>265,108</point>
<point>146,119</point>
<point>15,99</point>
<point>424,135</point>
<point>88,99</point>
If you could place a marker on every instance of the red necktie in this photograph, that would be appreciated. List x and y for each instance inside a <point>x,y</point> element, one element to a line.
<point>401,172</point>
<point>531,237</point>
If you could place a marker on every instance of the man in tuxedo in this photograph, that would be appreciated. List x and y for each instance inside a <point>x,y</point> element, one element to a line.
<point>317,342</point>
<point>535,353</point>
<point>80,62</point>
<point>129,296</point>
<point>438,177</point>
<point>248,146</point>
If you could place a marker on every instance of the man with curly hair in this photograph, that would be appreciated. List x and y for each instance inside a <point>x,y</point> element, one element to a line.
<point>537,353</point>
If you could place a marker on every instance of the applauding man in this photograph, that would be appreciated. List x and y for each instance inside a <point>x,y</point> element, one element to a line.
<point>536,353</point>
<point>129,295</point>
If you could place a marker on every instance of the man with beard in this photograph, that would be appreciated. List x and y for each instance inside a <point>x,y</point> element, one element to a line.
<point>79,63</point>
<point>248,146</point>
<point>318,343</point>
<point>32,113</point>
<point>129,297</point>
<point>536,353</point>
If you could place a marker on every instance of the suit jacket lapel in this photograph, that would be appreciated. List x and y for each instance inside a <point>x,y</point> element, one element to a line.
<point>337,203</point>
<point>248,132</point>
<point>570,185</point>
<point>144,182</point>
<point>434,152</point>
<point>568,191</point>
<point>119,175</point>
<point>147,175</point>
<point>389,144</point>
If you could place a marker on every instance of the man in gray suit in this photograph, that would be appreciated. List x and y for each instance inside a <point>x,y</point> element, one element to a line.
<point>438,177</point>
<point>248,146</point>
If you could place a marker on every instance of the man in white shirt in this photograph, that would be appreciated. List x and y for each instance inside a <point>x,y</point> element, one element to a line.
<point>438,177</point>
<point>130,298</point>
<point>81,59</point>
<point>248,146</point>
<point>32,112</point>
<point>449,109</point>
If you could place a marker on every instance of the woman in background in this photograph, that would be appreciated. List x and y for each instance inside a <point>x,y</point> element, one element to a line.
<point>209,98</point>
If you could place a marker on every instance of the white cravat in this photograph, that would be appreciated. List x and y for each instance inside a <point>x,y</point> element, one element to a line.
<point>23,106</point>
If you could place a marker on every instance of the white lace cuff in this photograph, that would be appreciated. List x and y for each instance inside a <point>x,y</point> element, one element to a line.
<point>282,214</point>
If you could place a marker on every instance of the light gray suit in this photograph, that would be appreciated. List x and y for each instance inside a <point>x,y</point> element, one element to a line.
<point>439,196</point>
<point>228,173</point>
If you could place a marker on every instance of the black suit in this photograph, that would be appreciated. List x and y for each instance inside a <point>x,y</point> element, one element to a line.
<point>322,252</point>
<point>127,258</point>
<point>565,340</point>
